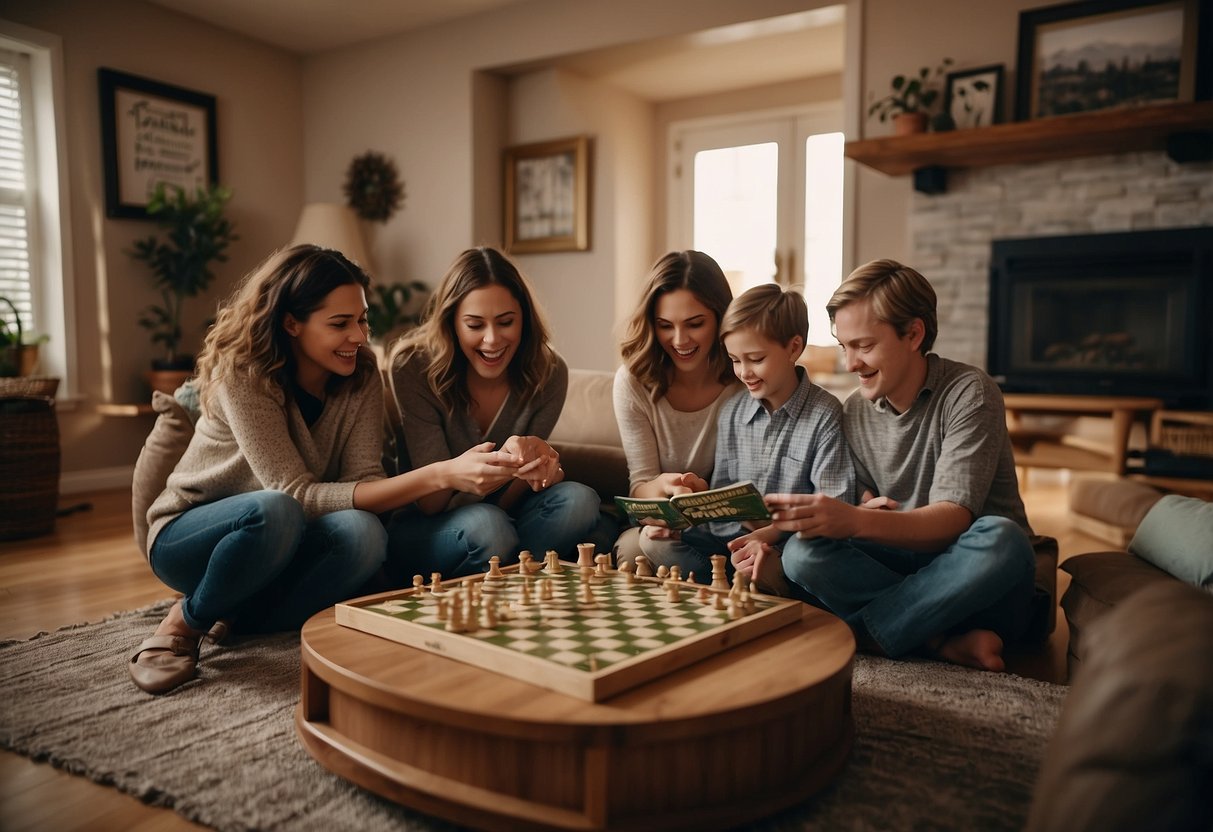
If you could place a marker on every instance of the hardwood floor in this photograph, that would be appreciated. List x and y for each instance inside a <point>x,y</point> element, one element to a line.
<point>90,568</point>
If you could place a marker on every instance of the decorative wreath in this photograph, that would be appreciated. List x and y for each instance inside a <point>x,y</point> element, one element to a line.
<point>373,187</point>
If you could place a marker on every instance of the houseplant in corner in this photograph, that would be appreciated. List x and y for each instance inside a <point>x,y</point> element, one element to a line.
<point>196,234</point>
<point>909,104</point>
<point>18,350</point>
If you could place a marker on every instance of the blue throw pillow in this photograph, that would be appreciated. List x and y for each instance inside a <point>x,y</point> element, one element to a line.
<point>1177,537</point>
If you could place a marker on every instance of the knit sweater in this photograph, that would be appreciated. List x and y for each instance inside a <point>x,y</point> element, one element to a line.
<point>251,440</point>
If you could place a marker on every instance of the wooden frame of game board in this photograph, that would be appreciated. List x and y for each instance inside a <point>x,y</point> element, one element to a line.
<point>590,686</point>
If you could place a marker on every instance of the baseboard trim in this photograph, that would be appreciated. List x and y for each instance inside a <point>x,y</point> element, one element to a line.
<point>96,479</point>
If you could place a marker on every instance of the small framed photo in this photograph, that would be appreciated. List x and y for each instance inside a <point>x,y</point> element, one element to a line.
<point>973,97</point>
<point>151,133</point>
<point>1102,54</point>
<point>547,196</point>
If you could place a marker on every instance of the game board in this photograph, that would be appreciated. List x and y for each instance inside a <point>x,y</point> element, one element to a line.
<point>629,632</point>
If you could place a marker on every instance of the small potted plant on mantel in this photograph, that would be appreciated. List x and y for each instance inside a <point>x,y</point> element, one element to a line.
<point>909,104</point>
<point>18,349</point>
<point>197,235</point>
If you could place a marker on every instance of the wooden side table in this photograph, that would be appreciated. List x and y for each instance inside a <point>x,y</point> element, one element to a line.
<point>1050,449</point>
<point>746,733</point>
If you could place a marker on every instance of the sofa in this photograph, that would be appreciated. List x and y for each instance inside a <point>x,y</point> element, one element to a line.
<point>1133,747</point>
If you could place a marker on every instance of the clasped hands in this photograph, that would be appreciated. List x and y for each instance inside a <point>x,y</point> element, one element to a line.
<point>483,469</point>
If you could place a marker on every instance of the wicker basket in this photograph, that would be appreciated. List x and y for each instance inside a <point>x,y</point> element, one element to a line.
<point>29,466</point>
<point>28,386</point>
<point>1183,434</point>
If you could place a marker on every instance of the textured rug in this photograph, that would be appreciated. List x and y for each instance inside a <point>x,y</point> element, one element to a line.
<point>937,747</point>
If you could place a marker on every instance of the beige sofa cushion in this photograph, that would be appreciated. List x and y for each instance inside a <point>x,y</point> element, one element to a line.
<point>588,417</point>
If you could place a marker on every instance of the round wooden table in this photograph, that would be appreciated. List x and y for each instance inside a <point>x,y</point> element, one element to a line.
<point>735,737</point>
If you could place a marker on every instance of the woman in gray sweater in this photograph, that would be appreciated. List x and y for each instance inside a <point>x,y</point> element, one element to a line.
<point>479,374</point>
<point>270,516</point>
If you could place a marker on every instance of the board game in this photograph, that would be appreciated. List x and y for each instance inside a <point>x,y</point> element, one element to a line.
<point>589,631</point>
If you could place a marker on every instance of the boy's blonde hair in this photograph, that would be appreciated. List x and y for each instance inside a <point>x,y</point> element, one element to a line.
<point>898,294</point>
<point>774,313</point>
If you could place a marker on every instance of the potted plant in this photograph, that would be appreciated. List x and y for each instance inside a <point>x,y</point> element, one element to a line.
<point>911,99</point>
<point>196,235</point>
<point>394,308</point>
<point>18,350</point>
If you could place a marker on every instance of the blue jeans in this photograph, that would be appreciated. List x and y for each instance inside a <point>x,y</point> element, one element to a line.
<point>691,554</point>
<point>460,541</point>
<point>902,599</point>
<point>254,557</point>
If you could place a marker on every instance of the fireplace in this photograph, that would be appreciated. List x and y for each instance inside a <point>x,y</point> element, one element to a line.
<point>1127,314</point>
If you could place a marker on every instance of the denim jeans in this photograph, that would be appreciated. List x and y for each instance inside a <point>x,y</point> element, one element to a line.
<point>691,553</point>
<point>255,557</point>
<point>460,541</point>
<point>901,599</point>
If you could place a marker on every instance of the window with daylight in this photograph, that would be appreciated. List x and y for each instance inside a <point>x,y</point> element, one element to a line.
<point>33,242</point>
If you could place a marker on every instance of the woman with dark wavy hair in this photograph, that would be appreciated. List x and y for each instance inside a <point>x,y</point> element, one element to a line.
<point>270,515</point>
<point>674,378</point>
<point>480,377</point>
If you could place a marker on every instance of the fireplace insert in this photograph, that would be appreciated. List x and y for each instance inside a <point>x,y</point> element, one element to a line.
<point>1128,314</point>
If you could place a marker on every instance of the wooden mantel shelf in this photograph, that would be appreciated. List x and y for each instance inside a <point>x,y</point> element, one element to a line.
<point>1062,137</point>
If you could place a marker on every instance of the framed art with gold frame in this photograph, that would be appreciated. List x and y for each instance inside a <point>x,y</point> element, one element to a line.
<point>547,196</point>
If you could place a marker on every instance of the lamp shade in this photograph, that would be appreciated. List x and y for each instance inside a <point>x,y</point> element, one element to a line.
<point>330,225</point>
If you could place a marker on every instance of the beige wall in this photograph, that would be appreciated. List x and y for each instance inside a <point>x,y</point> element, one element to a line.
<point>900,37</point>
<point>419,97</point>
<point>260,124</point>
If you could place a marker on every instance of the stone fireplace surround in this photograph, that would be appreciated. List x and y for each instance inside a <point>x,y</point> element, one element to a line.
<point>950,234</point>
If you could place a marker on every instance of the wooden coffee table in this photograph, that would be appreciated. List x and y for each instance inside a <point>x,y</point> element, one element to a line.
<point>734,737</point>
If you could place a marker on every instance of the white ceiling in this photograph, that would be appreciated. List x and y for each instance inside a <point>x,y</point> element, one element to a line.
<point>786,48</point>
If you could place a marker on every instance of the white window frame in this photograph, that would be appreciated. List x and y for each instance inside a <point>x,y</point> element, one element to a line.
<point>50,215</point>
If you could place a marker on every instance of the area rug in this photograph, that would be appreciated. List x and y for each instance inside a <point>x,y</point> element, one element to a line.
<point>937,746</point>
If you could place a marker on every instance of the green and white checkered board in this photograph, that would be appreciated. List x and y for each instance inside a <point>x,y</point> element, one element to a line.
<point>625,622</point>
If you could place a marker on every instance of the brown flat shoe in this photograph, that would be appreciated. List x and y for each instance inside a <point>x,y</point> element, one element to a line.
<point>164,662</point>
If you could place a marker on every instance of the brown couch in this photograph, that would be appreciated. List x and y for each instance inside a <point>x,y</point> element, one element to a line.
<point>1133,747</point>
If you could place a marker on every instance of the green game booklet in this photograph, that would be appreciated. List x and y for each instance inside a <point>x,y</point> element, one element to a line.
<point>740,501</point>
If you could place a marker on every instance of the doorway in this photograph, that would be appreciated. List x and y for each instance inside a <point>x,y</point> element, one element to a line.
<point>763,195</point>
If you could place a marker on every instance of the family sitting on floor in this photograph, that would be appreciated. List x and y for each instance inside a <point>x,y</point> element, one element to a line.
<point>898,511</point>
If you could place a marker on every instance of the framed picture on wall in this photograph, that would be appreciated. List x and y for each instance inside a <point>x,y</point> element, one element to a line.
<point>973,97</point>
<point>150,133</point>
<point>547,196</point>
<point>1101,54</point>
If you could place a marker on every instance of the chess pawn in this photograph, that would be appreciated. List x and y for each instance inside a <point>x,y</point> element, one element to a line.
<point>454,621</point>
<point>436,583</point>
<point>663,571</point>
<point>675,573</point>
<point>546,591</point>
<point>718,600</point>
<point>551,563</point>
<point>734,609</point>
<point>643,568</point>
<point>704,592</point>
<point>442,609</point>
<point>671,591</point>
<point>585,554</point>
<point>628,571</point>
<point>720,578</point>
<point>488,617</point>
<point>495,574</point>
<point>586,598</point>
<point>526,562</point>
<point>418,585</point>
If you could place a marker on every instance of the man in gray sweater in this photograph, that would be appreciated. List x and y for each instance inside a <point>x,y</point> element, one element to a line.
<point>936,558</point>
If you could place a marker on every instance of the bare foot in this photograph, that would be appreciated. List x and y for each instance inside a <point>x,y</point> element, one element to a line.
<point>981,649</point>
<point>174,624</point>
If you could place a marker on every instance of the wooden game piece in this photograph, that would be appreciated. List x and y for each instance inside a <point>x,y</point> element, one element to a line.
<point>551,563</point>
<point>734,608</point>
<point>643,568</point>
<point>488,617</point>
<point>675,573</point>
<point>691,577</point>
<point>442,609</point>
<point>586,597</point>
<point>546,591</point>
<point>663,571</point>
<point>495,574</point>
<point>738,585</point>
<point>720,578</point>
<point>718,600</point>
<point>585,554</point>
<point>454,621</point>
<point>704,592</point>
<point>629,573</point>
<point>436,583</point>
<point>526,563</point>
<point>525,598</point>
<point>418,584</point>
<point>602,564</point>
<point>672,590</point>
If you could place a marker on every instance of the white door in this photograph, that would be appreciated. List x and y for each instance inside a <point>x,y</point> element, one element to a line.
<point>763,196</point>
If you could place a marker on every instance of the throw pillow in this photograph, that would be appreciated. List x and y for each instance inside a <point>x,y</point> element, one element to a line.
<point>162,450</point>
<point>1177,537</point>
